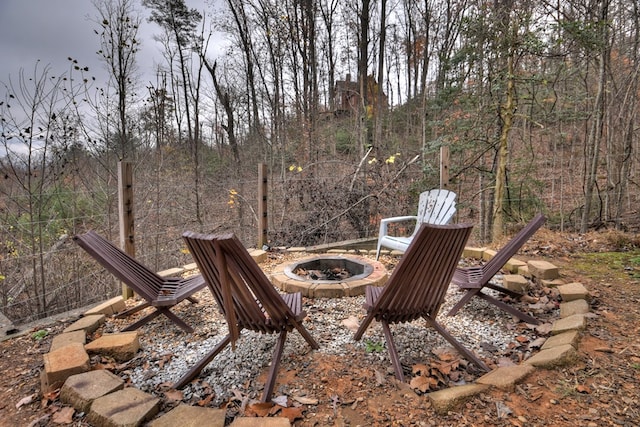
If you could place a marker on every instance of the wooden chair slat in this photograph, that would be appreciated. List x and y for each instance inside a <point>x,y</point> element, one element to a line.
<point>418,285</point>
<point>249,302</point>
<point>473,279</point>
<point>162,293</point>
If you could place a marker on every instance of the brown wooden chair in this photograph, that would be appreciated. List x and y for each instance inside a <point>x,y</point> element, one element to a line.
<point>247,299</point>
<point>417,287</point>
<point>158,292</point>
<point>473,279</point>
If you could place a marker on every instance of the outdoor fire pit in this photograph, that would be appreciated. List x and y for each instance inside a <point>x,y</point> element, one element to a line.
<point>330,276</point>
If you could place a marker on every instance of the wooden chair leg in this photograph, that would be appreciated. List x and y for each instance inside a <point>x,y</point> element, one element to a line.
<point>195,370</point>
<point>158,311</point>
<point>470,293</point>
<point>512,294</point>
<point>306,335</point>
<point>363,327</point>
<point>462,349</point>
<point>275,365</point>
<point>132,310</point>
<point>146,319</point>
<point>393,352</point>
<point>509,309</point>
<point>175,319</point>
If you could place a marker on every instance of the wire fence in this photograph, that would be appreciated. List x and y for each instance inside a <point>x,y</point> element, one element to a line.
<point>42,272</point>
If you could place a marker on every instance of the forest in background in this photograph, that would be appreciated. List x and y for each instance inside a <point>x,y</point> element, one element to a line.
<point>348,103</point>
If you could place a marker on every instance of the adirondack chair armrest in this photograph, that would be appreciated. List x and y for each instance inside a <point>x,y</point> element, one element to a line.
<point>384,223</point>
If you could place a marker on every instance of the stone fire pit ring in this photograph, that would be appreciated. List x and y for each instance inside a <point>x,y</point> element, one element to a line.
<point>368,273</point>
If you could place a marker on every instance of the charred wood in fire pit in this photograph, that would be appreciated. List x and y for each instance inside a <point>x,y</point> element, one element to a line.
<point>325,274</point>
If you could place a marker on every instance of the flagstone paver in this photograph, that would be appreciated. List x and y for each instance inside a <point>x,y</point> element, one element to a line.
<point>543,270</point>
<point>190,416</point>
<point>66,338</point>
<point>506,378</point>
<point>122,346</point>
<point>89,323</point>
<point>575,322</point>
<point>570,337</point>
<point>553,357</point>
<point>445,399</point>
<point>109,307</point>
<point>60,364</point>
<point>577,306</point>
<point>515,282</point>
<point>129,407</point>
<point>513,265</point>
<point>573,291</point>
<point>81,390</point>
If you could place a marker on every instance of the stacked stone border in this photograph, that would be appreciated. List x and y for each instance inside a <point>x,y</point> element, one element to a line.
<point>108,403</point>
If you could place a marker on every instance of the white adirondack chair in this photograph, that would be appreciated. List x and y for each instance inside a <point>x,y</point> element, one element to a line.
<point>435,207</point>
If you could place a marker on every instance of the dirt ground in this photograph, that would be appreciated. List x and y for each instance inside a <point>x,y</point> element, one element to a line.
<point>601,389</point>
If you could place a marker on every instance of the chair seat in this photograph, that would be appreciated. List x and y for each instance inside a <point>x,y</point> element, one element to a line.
<point>161,293</point>
<point>395,243</point>
<point>434,207</point>
<point>473,280</point>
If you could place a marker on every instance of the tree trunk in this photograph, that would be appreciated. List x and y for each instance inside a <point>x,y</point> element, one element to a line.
<point>507,110</point>
<point>592,147</point>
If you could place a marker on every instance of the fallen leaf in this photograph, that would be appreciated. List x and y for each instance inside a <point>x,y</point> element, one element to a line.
<point>259,409</point>
<point>522,339</point>
<point>505,361</point>
<point>174,395</point>
<point>281,400</point>
<point>39,421</point>
<point>445,368</point>
<point>422,383</point>
<point>291,413</point>
<point>48,398</point>
<point>166,358</point>
<point>206,400</point>
<point>305,400</point>
<point>419,369</point>
<point>444,354</point>
<point>63,416</point>
<point>380,379</point>
<point>583,389</point>
<point>351,323</point>
<point>25,401</point>
<point>537,343</point>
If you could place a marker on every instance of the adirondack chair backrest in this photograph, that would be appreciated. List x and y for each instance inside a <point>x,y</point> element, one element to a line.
<point>436,206</point>
<point>127,269</point>
<point>419,282</point>
<point>243,292</point>
<point>493,266</point>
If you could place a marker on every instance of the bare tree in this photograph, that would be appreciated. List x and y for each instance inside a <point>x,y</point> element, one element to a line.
<point>38,119</point>
<point>119,23</point>
<point>179,24</point>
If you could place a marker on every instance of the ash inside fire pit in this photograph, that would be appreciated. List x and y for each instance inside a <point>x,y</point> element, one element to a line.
<point>336,273</point>
<point>329,269</point>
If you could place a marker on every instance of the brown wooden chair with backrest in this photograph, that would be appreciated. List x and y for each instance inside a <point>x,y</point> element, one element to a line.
<point>247,299</point>
<point>161,293</point>
<point>473,279</point>
<point>417,287</point>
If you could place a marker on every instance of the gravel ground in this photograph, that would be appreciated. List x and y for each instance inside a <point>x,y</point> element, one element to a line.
<point>167,352</point>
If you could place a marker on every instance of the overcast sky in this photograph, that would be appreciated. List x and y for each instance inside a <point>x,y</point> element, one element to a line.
<point>53,30</point>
